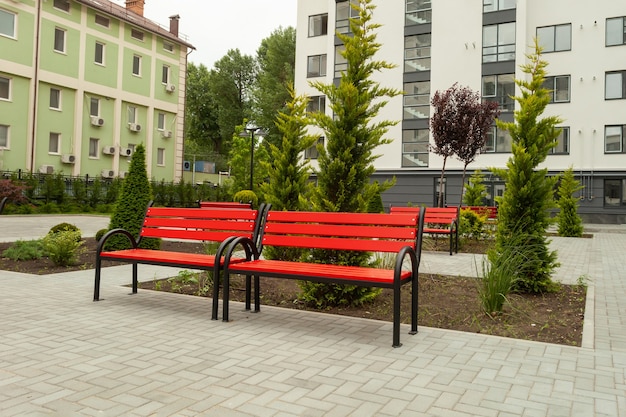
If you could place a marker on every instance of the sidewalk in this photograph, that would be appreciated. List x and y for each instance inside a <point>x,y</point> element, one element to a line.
<point>159,354</point>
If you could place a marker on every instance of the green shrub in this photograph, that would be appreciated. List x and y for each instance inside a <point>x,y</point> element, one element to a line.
<point>246,196</point>
<point>472,225</point>
<point>475,190</point>
<point>569,222</point>
<point>24,250</point>
<point>65,227</point>
<point>100,233</point>
<point>62,247</point>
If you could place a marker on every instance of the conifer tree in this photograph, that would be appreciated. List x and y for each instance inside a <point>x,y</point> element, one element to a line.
<point>569,222</point>
<point>475,190</point>
<point>346,163</point>
<point>523,210</point>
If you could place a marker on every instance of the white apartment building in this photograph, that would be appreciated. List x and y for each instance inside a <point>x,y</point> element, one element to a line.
<point>481,44</point>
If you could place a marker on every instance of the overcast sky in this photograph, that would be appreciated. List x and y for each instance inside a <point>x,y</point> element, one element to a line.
<point>214,27</point>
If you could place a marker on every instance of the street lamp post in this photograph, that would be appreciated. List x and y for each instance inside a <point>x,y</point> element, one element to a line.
<point>252,129</point>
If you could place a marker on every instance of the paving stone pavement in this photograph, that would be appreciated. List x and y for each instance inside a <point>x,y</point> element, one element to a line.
<point>159,354</point>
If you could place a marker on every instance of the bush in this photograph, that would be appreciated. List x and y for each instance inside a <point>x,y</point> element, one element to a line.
<point>65,227</point>
<point>569,222</point>
<point>62,247</point>
<point>100,233</point>
<point>246,196</point>
<point>24,250</point>
<point>472,225</point>
<point>14,190</point>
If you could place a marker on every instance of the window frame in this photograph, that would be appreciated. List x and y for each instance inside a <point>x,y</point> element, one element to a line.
<point>342,23</point>
<point>610,197</point>
<point>622,73</point>
<point>63,5</point>
<point>322,25</point>
<point>137,34</point>
<point>102,21</point>
<point>132,114</point>
<point>55,92</point>
<point>165,74</point>
<point>58,31</point>
<point>8,89</point>
<point>57,139</point>
<point>14,25</point>
<point>418,98</point>
<point>102,53</point>
<point>168,46</point>
<point>506,102</point>
<point>502,52</point>
<point>622,31</point>
<point>316,104</point>
<point>565,134</point>
<point>620,142</point>
<point>499,5</point>
<point>415,138</point>
<point>418,12</point>
<point>554,39</point>
<point>311,152</point>
<point>94,148</point>
<point>322,66</point>
<point>161,121</point>
<point>94,102</point>
<point>7,136</point>
<point>495,136</point>
<point>160,157</point>
<point>136,70</point>
<point>554,91</point>
<point>418,51</point>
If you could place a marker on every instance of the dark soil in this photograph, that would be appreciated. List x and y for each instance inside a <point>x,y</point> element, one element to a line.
<point>444,302</point>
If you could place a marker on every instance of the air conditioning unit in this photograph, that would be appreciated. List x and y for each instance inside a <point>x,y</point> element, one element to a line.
<point>68,159</point>
<point>134,127</point>
<point>107,173</point>
<point>46,169</point>
<point>123,174</point>
<point>109,150</point>
<point>126,151</point>
<point>97,121</point>
<point>186,166</point>
<point>166,134</point>
<point>170,88</point>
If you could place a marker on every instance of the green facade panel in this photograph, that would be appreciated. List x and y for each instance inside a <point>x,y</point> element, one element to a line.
<point>14,114</point>
<point>138,84</point>
<point>19,49</point>
<point>113,29</point>
<point>73,15</point>
<point>66,62</point>
<point>104,73</point>
<point>103,130</point>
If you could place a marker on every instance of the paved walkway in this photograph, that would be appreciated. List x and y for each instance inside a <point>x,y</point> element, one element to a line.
<point>159,354</point>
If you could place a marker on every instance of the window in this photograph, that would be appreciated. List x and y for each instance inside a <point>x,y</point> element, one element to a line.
<point>562,143</point>
<point>102,20</point>
<point>136,65</point>
<point>316,66</point>
<point>417,53</point>
<point>616,31</point>
<point>59,40</point>
<point>318,25</point>
<point>499,42</point>
<point>161,121</point>
<point>555,38</point>
<point>94,106</point>
<point>614,192</point>
<point>615,85</point>
<point>417,100</point>
<point>169,47</point>
<point>501,89</point>
<point>99,57</point>
<point>316,104</point>
<point>614,139</point>
<point>54,143</point>
<point>161,156</point>
<point>498,141</point>
<point>7,23</point>
<point>165,74</point>
<point>495,5</point>
<point>559,88</point>
<point>415,148</point>
<point>312,152</point>
<point>345,12</point>
<point>55,98</point>
<point>5,88</point>
<point>136,34</point>
<point>4,137</point>
<point>418,12</point>
<point>62,5</point>
<point>132,114</point>
<point>341,63</point>
<point>94,147</point>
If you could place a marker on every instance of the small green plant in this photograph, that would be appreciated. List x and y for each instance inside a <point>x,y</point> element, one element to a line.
<point>65,227</point>
<point>569,222</point>
<point>475,190</point>
<point>246,196</point>
<point>24,250</point>
<point>472,225</point>
<point>63,247</point>
<point>100,233</point>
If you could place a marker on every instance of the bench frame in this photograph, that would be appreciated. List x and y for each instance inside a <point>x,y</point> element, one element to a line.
<point>439,221</point>
<point>366,232</point>
<point>192,224</point>
<point>224,204</point>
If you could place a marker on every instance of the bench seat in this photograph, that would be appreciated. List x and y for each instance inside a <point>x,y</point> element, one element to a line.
<point>167,258</point>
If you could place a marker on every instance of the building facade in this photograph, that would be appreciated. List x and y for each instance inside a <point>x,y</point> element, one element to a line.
<point>481,44</point>
<point>83,82</point>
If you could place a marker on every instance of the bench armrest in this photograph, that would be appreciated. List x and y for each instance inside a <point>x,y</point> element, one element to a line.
<point>113,232</point>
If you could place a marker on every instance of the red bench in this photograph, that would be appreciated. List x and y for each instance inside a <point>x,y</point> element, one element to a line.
<point>195,224</point>
<point>439,221</point>
<point>491,212</point>
<point>224,204</point>
<point>398,234</point>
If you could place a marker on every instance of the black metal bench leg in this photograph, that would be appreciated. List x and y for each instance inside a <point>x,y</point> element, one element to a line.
<point>225,296</point>
<point>216,295</point>
<point>396,316</point>
<point>96,285</point>
<point>134,277</point>
<point>414,305</point>
<point>248,290</point>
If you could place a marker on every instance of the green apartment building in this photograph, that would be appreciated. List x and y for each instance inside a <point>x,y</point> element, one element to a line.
<point>82,82</point>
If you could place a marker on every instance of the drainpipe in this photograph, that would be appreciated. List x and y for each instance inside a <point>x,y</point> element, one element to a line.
<point>35,87</point>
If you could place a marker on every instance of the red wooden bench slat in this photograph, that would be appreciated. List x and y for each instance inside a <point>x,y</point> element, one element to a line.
<point>193,213</point>
<point>343,218</point>
<point>364,245</point>
<point>444,219</point>
<point>212,236</point>
<point>191,259</point>
<point>224,204</point>
<point>340,230</point>
<point>198,224</point>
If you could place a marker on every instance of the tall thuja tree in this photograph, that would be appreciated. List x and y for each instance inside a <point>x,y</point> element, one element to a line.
<point>289,186</point>
<point>346,163</point>
<point>131,206</point>
<point>523,211</point>
<point>568,220</point>
<point>452,115</point>
<point>475,191</point>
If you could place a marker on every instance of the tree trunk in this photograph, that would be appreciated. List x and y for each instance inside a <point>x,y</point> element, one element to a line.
<point>440,196</point>
<point>462,185</point>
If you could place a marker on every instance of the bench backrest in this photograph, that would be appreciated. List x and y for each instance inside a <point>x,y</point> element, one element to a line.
<point>439,215</point>
<point>225,204</point>
<point>199,224</point>
<point>371,232</point>
<point>490,211</point>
